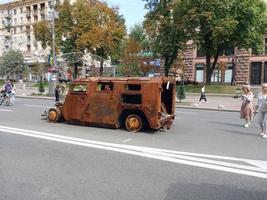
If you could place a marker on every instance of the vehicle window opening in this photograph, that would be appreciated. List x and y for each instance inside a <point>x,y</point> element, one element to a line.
<point>134,87</point>
<point>132,99</point>
<point>166,98</point>
<point>79,88</point>
<point>105,86</point>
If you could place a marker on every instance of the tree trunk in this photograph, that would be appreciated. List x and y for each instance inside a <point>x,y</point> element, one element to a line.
<point>101,68</point>
<point>208,68</point>
<point>75,74</point>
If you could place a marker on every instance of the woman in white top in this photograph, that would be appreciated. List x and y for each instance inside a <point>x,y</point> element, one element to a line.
<point>262,109</point>
<point>246,111</point>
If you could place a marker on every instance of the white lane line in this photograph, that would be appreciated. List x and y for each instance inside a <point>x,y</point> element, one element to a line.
<point>36,106</point>
<point>127,140</point>
<point>144,152</point>
<point>6,110</point>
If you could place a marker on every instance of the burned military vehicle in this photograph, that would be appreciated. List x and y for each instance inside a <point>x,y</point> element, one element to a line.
<point>131,103</point>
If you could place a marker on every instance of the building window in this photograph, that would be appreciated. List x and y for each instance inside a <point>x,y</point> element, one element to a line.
<point>216,76</point>
<point>21,20</point>
<point>229,73</point>
<point>35,18</point>
<point>15,30</point>
<point>200,73</point>
<point>21,29</point>
<point>14,11</point>
<point>15,21</point>
<point>21,10</point>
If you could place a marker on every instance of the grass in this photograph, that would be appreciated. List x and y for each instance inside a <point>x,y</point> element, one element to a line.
<point>215,89</point>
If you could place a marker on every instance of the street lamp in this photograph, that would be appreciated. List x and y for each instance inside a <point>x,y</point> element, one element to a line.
<point>53,79</point>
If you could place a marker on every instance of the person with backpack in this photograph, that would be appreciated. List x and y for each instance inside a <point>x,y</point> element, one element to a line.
<point>8,91</point>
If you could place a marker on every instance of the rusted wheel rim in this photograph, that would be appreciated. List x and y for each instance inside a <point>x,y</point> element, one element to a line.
<point>52,116</point>
<point>133,123</point>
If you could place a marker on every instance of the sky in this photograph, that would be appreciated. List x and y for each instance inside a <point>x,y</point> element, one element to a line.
<point>132,10</point>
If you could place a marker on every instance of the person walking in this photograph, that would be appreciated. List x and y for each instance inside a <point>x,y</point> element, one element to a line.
<point>203,94</point>
<point>261,108</point>
<point>246,111</point>
<point>13,93</point>
<point>57,93</point>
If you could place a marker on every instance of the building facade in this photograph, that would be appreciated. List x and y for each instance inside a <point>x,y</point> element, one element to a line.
<point>243,66</point>
<point>17,19</point>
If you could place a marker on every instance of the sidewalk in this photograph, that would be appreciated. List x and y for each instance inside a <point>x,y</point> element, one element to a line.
<point>215,102</point>
<point>223,103</point>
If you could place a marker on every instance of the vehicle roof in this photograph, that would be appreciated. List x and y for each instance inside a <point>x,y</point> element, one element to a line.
<point>124,79</point>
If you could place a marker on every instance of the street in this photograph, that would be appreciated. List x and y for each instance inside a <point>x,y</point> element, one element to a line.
<point>206,155</point>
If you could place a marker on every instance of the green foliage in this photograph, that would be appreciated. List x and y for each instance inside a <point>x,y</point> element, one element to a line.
<point>43,34</point>
<point>11,62</point>
<point>137,32</point>
<point>41,87</point>
<point>167,34</point>
<point>218,25</point>
<point>181,91</point>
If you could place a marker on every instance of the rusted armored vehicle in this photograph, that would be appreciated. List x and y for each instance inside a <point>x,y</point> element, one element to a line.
<point>131,103</point>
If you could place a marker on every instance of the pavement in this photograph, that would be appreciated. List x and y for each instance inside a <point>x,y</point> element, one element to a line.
<point>205,155</point>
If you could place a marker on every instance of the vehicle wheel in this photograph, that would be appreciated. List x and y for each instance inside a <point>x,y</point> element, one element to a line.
<point>133,123</point>
<point>53,115</point>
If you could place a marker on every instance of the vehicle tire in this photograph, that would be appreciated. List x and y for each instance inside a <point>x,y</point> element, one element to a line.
<point>53,115</point>
<point>134,123</point>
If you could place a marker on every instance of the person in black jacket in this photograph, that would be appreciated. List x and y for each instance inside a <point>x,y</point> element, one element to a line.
<point>57,93</point>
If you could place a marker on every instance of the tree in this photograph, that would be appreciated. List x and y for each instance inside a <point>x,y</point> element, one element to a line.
<point>218,25</point>
<point>43,34</point>
<point>167,34</point>
<point>131,58</point>
<point>181,91</point>
<point>11,62</point>
<point>101,29</point>
<point>138,33</point>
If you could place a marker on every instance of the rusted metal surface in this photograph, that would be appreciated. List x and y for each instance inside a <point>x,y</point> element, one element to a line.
<point>120,102</point>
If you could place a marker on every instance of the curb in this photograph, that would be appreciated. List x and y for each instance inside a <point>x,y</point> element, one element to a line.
<point>34,97</point>
<point>207,109</point>
<point>211,94</point>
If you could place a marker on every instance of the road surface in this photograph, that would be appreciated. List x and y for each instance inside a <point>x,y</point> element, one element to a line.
<point>206,155</point>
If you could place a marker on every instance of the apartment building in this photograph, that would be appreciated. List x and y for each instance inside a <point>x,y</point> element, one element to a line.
<point>16,26</point>
<point>244,66</point>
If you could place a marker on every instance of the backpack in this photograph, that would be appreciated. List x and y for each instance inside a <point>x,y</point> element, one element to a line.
<point>8,88</point>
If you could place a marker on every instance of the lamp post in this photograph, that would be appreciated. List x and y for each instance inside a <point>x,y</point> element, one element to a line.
<point>53,79</point>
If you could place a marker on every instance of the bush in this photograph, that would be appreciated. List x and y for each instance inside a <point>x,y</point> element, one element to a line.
<point>41,87</point>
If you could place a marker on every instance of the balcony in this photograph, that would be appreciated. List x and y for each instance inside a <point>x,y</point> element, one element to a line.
<point>7,24</point>
<point>35,12</point>
<point>7,15</point>
<point>28,14</point>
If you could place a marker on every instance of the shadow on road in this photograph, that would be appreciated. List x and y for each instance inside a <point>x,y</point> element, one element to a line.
<point>211,192</point>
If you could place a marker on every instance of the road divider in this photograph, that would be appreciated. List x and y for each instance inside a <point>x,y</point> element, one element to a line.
<point>240,166</point>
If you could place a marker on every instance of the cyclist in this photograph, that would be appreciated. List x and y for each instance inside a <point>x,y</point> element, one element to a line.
<point>8,91</point>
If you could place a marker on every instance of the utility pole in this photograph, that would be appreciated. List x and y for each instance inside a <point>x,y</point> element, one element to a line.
<point>53,79</point>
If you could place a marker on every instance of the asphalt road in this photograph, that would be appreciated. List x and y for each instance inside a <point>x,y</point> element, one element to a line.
<point>206,155</point>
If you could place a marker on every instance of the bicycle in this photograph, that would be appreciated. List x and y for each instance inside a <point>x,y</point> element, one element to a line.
<point>5,98</point>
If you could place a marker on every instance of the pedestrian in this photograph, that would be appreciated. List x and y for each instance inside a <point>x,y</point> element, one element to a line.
<point>57,93</point>
<point>246,111</point>
<point>261,107</point>
<point>203,94</point>
<point>13,93</point>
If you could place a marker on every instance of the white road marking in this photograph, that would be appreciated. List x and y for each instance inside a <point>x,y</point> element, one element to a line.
<point>127,140</point>
<point>36,106</point>
<point>6,110</point>
<point>185,158</point>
